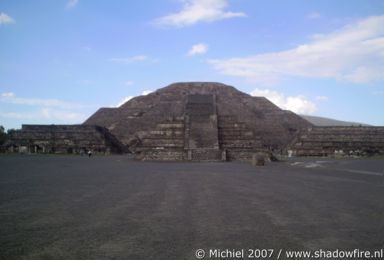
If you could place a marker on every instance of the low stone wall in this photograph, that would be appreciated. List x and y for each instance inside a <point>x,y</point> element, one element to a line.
<point>204,154</point>
<point>240,155</point>
<point>160,155</point>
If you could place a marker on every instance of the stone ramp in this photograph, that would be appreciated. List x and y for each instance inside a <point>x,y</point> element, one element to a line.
<point>201,130</point>
<point>201,122</point>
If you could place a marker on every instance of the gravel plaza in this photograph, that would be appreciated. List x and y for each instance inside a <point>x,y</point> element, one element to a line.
<point>112,207</point>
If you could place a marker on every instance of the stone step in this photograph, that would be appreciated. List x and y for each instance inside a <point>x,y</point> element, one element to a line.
<point>146,142</point>
<point>164,133</point>
<point>161,154</point>
<point>235,134</point>
<point>170,126</point>
<point>205,154</point>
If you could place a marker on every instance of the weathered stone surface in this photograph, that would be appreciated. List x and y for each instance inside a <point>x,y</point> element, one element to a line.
<point>216,121</point>
<point>258,159</point>
<point>64,139</point>
<point>342,140</point>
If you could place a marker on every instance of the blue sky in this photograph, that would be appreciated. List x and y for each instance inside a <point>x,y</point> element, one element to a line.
<point>62,60</point>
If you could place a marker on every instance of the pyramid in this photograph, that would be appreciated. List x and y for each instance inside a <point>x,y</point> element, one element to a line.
<point>200,121</point>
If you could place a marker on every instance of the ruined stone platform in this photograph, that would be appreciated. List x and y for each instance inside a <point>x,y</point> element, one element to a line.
<point>198,121</point>
<point>339,140</point>
<point>65,139</point>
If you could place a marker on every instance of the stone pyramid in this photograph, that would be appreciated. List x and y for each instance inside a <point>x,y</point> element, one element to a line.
<point>199,121</point>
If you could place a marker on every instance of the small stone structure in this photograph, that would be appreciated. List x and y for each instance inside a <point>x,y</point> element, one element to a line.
<point>63,139</point>
<point>339,140</point>
<point>258,159</point>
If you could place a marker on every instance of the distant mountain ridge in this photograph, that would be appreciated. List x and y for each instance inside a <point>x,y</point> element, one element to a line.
<point>323,121</point>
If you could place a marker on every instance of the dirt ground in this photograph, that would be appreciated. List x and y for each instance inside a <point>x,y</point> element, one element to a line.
<point>75,207</point>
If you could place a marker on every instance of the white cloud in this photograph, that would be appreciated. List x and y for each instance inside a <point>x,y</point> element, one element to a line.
<point>39,110</point>
<point>378,92</point>
<point>298,104</point>
<point>67,116</point>
<point>321,98</point>
<point>145,92</point>
<point>7,94</point>
<point>195,11</point>
<point>199,48</point>
<point>11,98</point>
<point>71,4</point>
<point>126,60</point>
<point>5,19</point>
<point>128,83</point>
<point>354,53</point>
<point>46,114</point>
<point>17,115</point>
<point>313,15</point>
<point>124,100</point>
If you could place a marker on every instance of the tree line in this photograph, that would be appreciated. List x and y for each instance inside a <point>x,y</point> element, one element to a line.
<point>4,135</point>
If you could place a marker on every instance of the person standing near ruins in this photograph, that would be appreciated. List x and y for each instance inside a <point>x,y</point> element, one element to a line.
<point>89,153</point>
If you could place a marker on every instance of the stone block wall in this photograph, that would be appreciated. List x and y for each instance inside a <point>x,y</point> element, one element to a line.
<point>237,139</point>
<point>63,139</point>
<point>164,142</point>
<point>325,141</point>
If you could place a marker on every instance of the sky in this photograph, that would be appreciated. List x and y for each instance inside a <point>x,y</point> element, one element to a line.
<point>62,60</point>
